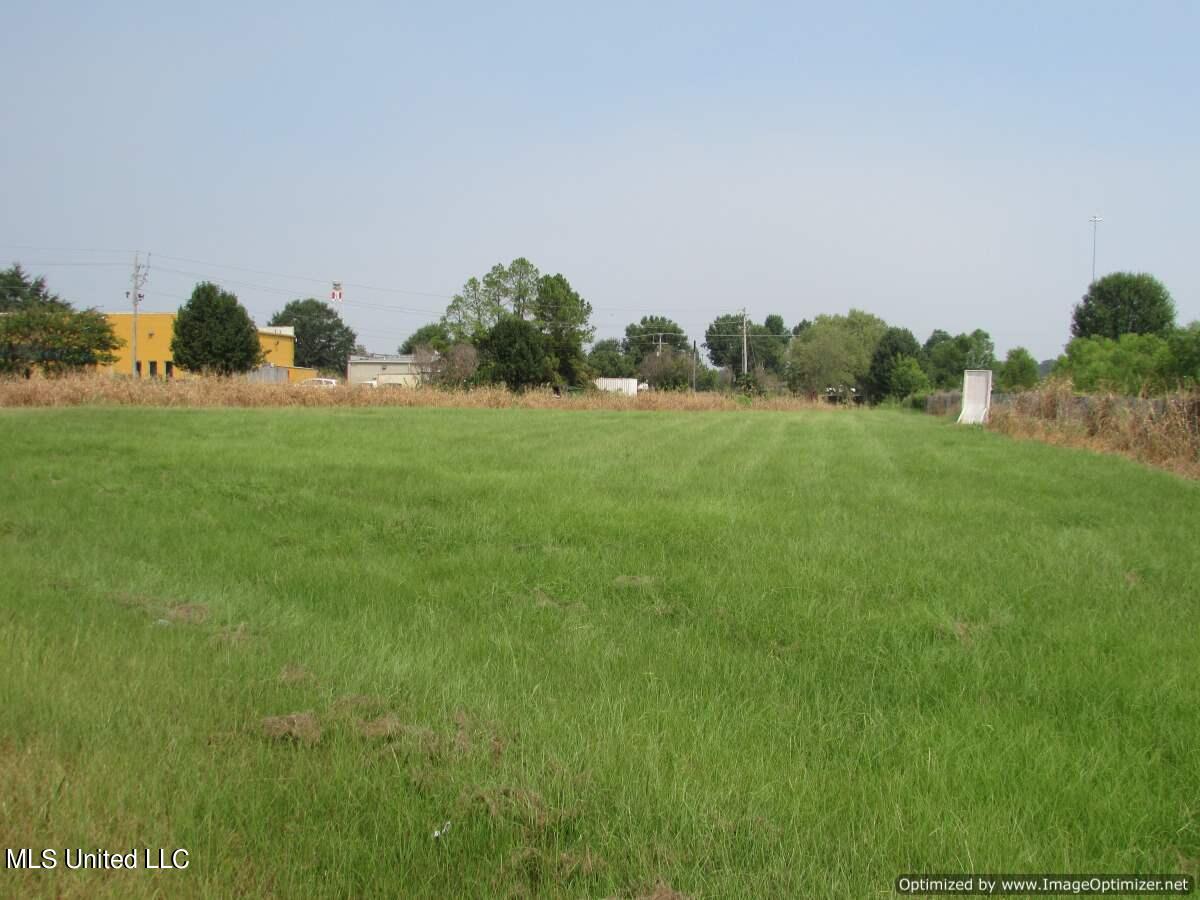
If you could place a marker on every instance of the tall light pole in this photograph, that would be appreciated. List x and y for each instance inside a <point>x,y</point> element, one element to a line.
<point>1095,220</point>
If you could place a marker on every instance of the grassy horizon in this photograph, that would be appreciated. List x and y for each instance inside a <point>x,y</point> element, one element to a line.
<point>721,654</point>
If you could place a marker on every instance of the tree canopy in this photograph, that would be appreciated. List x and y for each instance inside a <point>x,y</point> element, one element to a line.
<point>472,312</point>
<point>435,335</point>
<point>896,343</point>
<point>834,352</point>
<point>1183,368</point>
<point>608,360</point>
<point>1124,303</point>
<point>766,343</point>
<point>40,330</point>
<point>323,340</point>
<point>946,357</point>
<point>1019,371</point>
<point>1128,365</point>
<point>670,370</point>
<point>514,352</point>
<point>906,377</point>
<point>214,334</point>
<point>513,287</point>
<point>650,333</point>
<point>563,318</point>
<point>19,291</point>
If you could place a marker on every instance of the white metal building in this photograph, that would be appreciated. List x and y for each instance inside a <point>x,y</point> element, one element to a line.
<point>627,386</point>
<point>382,369</point>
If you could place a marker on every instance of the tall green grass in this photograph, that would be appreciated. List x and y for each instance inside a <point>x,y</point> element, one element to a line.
<point>726,655</point>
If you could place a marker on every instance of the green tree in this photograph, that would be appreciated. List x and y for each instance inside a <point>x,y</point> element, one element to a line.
<point>1183,346</point>
<point>563,318</point>
<point>723,338</point>
<point>766,343</point>
<point>40,330</point>
<point>981,352</point>
<point>54,339</point>
<point>907,377</point>
<point>1019,372</point>
<point>435,335</point>
<point>514,287</point>
<point>946,357</point>
<point>1124,303</point>
<point>473,312</point>
<point>834,352</point>
<point>896,343</point>
<point>214,334</point>
<point>1131,364</point>
<point>647,335</point>
<point>771,344</point>
<point>607,360</point>
<point>323,340</point>
<point>19,291</point>
<point>514,353</point>
<point>937,337</point>
<point>670,370</point>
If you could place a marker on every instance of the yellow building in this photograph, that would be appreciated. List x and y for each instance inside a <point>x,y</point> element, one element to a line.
<point>154,333</point>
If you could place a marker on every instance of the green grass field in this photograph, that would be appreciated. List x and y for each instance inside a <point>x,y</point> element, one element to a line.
<point>728,655</point>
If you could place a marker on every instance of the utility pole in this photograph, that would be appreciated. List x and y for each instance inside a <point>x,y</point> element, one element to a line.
<point>136,282</point>
<point>744,347</point>
<point>1095,220</point>
<point>694,367</point>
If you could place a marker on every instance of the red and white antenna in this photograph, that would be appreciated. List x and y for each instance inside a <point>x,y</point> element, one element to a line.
<point>335,293</point>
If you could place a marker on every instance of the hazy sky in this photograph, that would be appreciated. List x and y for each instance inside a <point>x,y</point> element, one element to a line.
<point>935,164</point>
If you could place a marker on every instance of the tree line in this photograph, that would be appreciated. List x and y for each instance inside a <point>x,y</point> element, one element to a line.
<point>518,327</point>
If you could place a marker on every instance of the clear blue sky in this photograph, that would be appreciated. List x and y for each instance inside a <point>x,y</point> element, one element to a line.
<point>935,164</point>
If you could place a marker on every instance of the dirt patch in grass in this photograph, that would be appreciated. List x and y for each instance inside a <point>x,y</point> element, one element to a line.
<point>582,863</point>
<point>472,735</point>
<point>300,728</point>
<point>188,613</point>
<point>660,890</point>
<point>412,740</point>
<point>533,869</point>
<point>520,806</point>
<point>424,741</point>
<point>294,675</point>
<point>962,632</point>
<point>234,635</point>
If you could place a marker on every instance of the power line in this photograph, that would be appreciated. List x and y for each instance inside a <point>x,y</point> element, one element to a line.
<point>28,264</point>
<point>359,285</point>
<point>745,333</point>
<point>62,249</point>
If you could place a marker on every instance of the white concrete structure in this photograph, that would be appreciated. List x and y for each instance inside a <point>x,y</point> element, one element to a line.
<point>977,396</point>
<point>381,369</point>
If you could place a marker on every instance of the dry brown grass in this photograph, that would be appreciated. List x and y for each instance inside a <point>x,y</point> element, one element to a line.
<point>1163,431</point>
<point>107,390</point>
<point>301,728</point>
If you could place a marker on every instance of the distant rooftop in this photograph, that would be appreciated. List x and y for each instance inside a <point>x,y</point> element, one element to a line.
<point>385,357</point>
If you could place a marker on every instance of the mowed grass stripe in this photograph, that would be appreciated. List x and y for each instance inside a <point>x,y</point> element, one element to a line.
<point>744,654</point>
